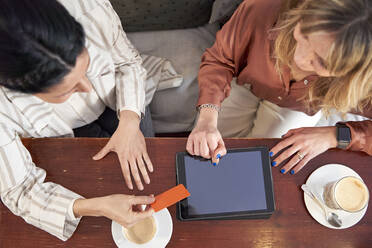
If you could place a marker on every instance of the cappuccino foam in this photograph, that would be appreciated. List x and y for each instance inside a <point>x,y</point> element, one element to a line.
<point>351,194</point>
<point>142,232</point>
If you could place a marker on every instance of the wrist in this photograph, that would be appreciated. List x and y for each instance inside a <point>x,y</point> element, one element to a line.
<point>208,115</point>
<point>88,207</point>
<point>129,118</point>
<point>333,137</point>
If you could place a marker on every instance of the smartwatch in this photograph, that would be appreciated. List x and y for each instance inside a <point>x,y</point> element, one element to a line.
<point>343,135</point>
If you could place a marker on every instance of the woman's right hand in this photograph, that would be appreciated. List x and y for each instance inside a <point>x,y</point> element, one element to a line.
<point>205,140</point>
<point>124,209</point>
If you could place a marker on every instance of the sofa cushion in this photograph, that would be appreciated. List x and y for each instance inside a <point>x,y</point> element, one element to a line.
<point>223,9</point>
<point>142,15</point>
<point>173,110</point>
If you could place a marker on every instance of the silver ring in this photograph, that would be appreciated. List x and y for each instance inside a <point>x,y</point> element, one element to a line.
<point>300,156</point>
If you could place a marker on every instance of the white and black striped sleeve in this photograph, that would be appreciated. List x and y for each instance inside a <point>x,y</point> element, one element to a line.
<point>23,190</point>
<point>129,73</point>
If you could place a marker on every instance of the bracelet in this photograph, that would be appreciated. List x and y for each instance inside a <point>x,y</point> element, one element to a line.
<point>209,105</point>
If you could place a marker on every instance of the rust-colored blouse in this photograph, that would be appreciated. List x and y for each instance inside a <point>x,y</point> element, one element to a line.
<point>243,49</point>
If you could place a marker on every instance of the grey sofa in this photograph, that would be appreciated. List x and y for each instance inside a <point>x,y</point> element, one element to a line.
<point>179,30</point>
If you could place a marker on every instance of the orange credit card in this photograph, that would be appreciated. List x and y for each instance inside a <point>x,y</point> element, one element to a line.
<point>170,197</point>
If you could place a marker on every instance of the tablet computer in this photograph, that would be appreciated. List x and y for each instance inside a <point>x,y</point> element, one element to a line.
<point>239,187</point>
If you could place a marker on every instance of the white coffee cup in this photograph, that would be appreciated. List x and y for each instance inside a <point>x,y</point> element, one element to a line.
<point>348,193</point>
<point>143,231</point>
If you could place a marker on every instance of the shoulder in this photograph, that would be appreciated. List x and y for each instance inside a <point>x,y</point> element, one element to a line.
<point>7,133</point>
<point>98,19</point>
<point>78,8</point>
<point>262,11</point>
<point>5,103</point>
<point>262,6</point>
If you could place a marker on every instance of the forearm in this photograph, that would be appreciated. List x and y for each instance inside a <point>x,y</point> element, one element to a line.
<point>332,137</point>
<point>44,205</point>
<point>214,84</point>
<point>361,136</point>
<point>130,88</point>
<point>226,58</point>
<point>130,75</point>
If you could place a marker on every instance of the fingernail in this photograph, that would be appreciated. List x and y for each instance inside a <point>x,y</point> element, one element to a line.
<point>273,163</point>
<point>292,172</point>
<point>218,156</point>
<point>271,154</point>
<point>214,164</point>
<point>282,171</point>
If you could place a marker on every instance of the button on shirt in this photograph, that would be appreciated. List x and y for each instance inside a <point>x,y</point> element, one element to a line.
<point>117,77</point>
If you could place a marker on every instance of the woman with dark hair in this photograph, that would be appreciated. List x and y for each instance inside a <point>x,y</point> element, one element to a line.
<point>61,65</point>
<point>290,58</point>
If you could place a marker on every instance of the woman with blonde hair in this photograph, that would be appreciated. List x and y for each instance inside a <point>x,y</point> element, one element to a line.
<point>291,59</point>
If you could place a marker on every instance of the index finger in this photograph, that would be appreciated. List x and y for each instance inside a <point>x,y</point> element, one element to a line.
<point>281,145</point>
<point>219,152</point>
<point>291,132</point>
<point>142,200</point>
<point>212,145</point>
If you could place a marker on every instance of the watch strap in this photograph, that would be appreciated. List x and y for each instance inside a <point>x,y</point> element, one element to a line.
<point>343,135</point>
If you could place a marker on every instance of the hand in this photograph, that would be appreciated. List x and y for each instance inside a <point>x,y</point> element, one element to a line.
<point>306,142</point>
<point>124,209</point>
<point>205,140</point>
<point>129,144</point>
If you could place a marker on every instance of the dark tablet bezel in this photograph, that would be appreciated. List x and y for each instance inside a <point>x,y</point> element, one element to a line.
<point>268,182</point>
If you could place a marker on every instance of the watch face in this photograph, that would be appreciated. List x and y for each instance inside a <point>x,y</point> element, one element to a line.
<point>344,134</point>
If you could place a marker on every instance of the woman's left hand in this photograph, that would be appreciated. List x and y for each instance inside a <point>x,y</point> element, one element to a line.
<point>129,144</point>
<point>305,144</point>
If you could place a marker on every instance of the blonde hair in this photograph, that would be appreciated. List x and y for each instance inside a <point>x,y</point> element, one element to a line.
<point>349,59</point>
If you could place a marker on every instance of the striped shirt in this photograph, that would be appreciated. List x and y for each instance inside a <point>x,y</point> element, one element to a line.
<point>117,77</point>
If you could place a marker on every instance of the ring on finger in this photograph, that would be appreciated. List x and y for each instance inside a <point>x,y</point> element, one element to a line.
<point>300,156</point>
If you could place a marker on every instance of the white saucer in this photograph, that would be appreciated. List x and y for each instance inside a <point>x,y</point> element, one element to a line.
<point>316,181</point>
<point>162,236</point>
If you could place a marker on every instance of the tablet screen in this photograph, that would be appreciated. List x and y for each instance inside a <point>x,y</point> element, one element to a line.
<point>235,184</point>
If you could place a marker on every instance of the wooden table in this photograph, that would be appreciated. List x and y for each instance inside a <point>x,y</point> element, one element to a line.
<point>68,162</point>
